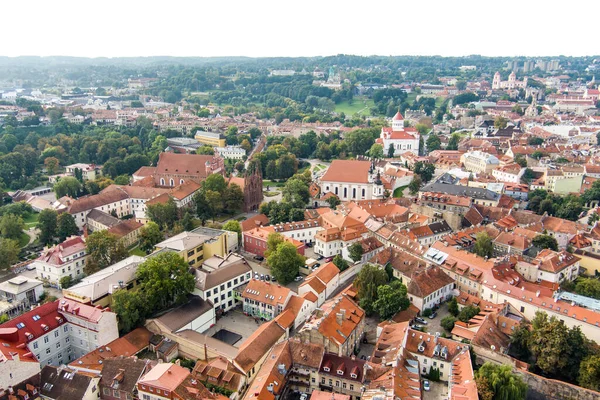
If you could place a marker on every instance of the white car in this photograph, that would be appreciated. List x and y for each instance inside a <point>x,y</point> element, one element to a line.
<point>299,278</point>
<point>426,386</point>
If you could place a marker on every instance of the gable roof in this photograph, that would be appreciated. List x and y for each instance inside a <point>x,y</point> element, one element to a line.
<point>348,171</point>
<point>63,383</point>
<point>258,344</point>
<point>122,373</point>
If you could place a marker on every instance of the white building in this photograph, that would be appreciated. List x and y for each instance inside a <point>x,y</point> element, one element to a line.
<point>303,231</point>
<point>510,173</point>
<point>479,161</point>
<point>21,290</point>
<point>61,260</point>
<point>218,278</point>
<point>88,171</point>
<point>231,152</point>
<point>351,180</point>
<point>429,288</point>
<point>402,139</point>
<point>322,283</point>
<point>512,82</point>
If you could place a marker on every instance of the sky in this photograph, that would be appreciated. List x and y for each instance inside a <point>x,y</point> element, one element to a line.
<point>266,28</point>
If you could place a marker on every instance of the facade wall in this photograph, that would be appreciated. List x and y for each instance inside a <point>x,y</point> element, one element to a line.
<point>348,191</point>
<point>54,273</point>
<point>223,296</point>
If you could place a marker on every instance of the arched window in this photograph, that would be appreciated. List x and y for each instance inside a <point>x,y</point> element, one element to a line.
<point>172,182</point>
<point>181,181</point>
<point>162,181</point>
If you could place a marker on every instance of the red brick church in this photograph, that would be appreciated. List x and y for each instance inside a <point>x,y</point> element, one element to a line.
<point>252,187</point>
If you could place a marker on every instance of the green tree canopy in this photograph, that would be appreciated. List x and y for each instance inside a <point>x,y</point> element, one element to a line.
<point>483,245</point>
<point>391,299</point>
<point>233,198</point>
<point>467,313</point>
<point>11,226</point>
<point>66,226</point>
<point>296,193</point>
<point>48,224</point>
<point>376,151</point>
<point>214,182</point>
<point>150,235</point>
<point>367,281</point>
<point>504,384</point>
<point>103,249</point>
<point>589,373</point>
<point>545,242</point>
<point>273,240</point>
<point>433,142</point>
<point>285,262</point>
<point>130,306</point>
<point>339,262</point>
<point>165,215</point>
<point>234,226</point>
<point>9,252</point>
<point>355,251</point>
<point>67,186</point>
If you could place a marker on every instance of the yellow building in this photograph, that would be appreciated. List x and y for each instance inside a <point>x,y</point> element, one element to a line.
<point>210,138</point>
<point>200,244</point>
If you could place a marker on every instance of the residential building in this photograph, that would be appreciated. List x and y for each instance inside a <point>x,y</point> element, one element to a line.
<point>161,381</point>
<point>510,173</point>
<point>429,234</point>
<point>550,266</point>
<point>220,372</point>
<point>254,350</point>
<point>302,231</point>
<point>120,376</point>
<point>89,172</point>
<point>403,263</point>
<point>399,137</point>
<point>511,243</point>
<point>339,231</point>
<point>127,232</point>
<point>351,180</point>
<point>461,382</point>
<point>218,279</point>
<point>323,282</point>
<point>196,315</point>
<point>446,202</point>
<point>342,374</point>
<point>432,352</point>
<point>479,162</point>
<point>58,332</point>
<point>97,289</point>
<point>264,299</point>
<point>429,288</point>
<point>200,244</point>
<point>62,260</point>
<point>338,325</point>
<point>60,383</point>
<point>255,240</point>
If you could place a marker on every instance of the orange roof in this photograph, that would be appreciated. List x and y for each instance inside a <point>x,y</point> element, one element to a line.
<point>463,385</point>
<point>165,376</point>
<point>347,171</point>
<point>265,292</point>
<point>253,222</point>
<point>285,319</point>
<point>330,326</point>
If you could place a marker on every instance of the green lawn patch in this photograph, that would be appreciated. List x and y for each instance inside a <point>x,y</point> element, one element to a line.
<point>359,105</point>
<point>31,220</point>
<point>270,194</point>
<point>136,251</point>
<point>23,240</point>
<point>398,191</point>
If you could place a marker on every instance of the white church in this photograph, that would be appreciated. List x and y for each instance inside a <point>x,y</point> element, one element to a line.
<point>401,138</point>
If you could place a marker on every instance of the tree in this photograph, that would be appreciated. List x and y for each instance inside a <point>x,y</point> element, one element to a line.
<point>214,182</point>
<point>165,215</point>
<point>296,193</point>
<point>67,186</point>
<point>203,211</point>
<point>453,142</point>
<point>48,224</point>
<point>453,306</point>
<point>504,384</point>
<point>66,282</point>
<point>246,145</point>
<point>340,262</point>
<point>150,235</point>
<point>391,299</point>
<point>367,281</point>
<point>104,249</point>
<point>521,160</point>
<point>537,154</point>
<point>548,343</point>
<point>215,202</point>
<point>467,313</point>
<point>535,141</point>
<point>545,242</point>
<point>355,251</point>
<point>187,222</point>
<point>448,323</point>
<point>589,287</point>
<point>51,164</point>
<point>273,240</point>
<point>546,206</point>
<point>11,226</point>
<point>424,170</point>
<point>233,198</point>
<point>130,306</point>
<point>500,122</point>
<point>433,142</point>
<point>333,201</point>
<point>285,262</point>
<point>206,150</point>
<point>589,373</point>
<point>391,151</point>
<point>415,185</point>
<point>528,175</point>
<point>9,252</point>
<point>122,180</point>
<point>483,245</point>
<point>165,280</point>
<point>376,151</point>
<point>234,226</point>
<point>519,342</point>
<point>66,226</point>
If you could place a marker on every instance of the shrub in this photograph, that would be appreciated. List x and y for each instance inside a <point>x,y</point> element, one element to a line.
<point>448,323</point>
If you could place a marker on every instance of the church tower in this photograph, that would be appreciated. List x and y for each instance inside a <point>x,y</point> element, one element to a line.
<point>398,122</point>
<point>496,81</point>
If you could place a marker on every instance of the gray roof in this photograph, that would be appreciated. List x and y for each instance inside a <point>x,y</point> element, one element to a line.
<point>63,383</point>
<point>440,227</point>
<point>475,193</point>
<point>19,284</point>
<point>217,270</point>
<point>183,315</point>
<point>103,218</point>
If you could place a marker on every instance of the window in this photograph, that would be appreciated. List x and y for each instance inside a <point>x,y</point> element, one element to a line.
<point>35,345</point>
<point>228,284</point>
<point>344,385</point>
<point>351,387</point>
<point>58,345</point>
<point>48,351</point>
<point>55,333</point>
<point>46,339</point>
<point>66,328</point>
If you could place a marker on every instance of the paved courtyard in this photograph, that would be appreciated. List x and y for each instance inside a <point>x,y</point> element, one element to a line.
<point>235,321</point>
<point>439,390</point>
<point>433,325</point>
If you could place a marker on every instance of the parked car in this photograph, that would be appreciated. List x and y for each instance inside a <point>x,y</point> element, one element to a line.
<point>259,258</point>
<point>418,327</point>
<point>299,278</point>
<point>319,257</point>
<point>420,320</point>
<point>273,279</point>
<point>267,278</point>
<point>309,244</point>
<point>328,259</point>
<point>262,277</point>
<point>433,315</point>
<point>426,386</point>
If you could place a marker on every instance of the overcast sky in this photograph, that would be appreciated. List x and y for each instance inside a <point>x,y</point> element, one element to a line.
<point>262,28</point>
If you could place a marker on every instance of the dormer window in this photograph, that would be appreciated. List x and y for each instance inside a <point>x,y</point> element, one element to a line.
<point>353,376</point>
<point>340,372</point>
<point>326,369</point>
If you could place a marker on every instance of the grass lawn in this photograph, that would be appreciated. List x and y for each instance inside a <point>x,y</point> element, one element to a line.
<point>270,194</point>
<point>136,251</point>
<point>398,191</point>
<point>267,182</point>
<point>23,239</point>
<point>31,220</point>
<point>360,106</point>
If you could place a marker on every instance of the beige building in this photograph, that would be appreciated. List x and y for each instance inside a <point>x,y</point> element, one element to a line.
<point>479,162</point>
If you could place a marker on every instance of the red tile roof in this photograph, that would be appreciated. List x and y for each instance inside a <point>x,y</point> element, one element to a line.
<point>347,171</point>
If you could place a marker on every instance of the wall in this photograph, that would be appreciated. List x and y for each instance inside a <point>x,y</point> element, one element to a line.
<point>453,219</point>
<point>202,323</point>
<point>549,389</point>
